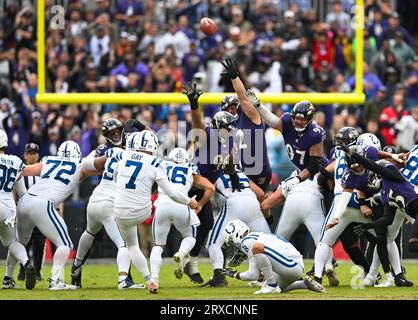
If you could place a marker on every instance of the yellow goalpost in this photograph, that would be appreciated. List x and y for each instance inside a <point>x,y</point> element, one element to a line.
<point>357,97</point>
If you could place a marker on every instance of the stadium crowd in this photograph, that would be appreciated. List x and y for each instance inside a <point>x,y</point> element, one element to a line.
<point>150,46</point>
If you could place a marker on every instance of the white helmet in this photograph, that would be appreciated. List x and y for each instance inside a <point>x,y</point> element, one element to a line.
<point>69,149</point>
<point>145,140</point>
<point>3,139</point>
<point>234,231</point>
<point>368,139</point>
<point>179,155</point>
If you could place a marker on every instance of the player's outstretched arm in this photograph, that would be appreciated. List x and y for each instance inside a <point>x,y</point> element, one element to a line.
<point>20,187</point>
<point>340,208</point>
<point>247,107</point>
<point>266,115</point>
<point>193,95</point>
<point>204,184</point>
<point>92,166</point>
<point>33,170</point>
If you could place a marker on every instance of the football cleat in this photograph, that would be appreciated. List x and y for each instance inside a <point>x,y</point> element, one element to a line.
<point>179,262</point>
<point>389,282</point>
<point>39,277</point>
<point>153,286</point>
<point>194,277</point>
<point>58,284</point>
<point>332,275</point>
<point>9,283</point>
<point>127,283</point>
<point>268,289</point>
<point>313,285</point>
<point>76,275</point>
<point>401,281</point>
<point>217,280</point>
<point>21,275</point>
<point>370,281</point>
<point>30,276</point>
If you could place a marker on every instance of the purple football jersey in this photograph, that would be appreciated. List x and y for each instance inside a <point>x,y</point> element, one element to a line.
<point>298,146</point>
<point>365,182</point>
<point>101,150</point>
<point>213,156</point>
<point>253,152</point>
<point>397,194</point>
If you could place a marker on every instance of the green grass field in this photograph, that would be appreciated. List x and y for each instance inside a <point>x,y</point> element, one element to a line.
<point>100,282</point>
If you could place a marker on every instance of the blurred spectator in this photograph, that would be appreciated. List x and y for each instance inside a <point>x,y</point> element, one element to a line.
<point>192,62</point>
<point>373,127</point>
<point>322,50</point>
<point>407,128</point>
<point>375,106</point>
<point>401,50</point>
<point>369,48</point>
<point>411,83</point>
<point>378,26</point>
<point>390,117</point>
<point>371,82</point>
<point>394,26</point>
<point>175,38</point>
<point>342,18</point>
<point>99,44</point>
<point>129,13</point>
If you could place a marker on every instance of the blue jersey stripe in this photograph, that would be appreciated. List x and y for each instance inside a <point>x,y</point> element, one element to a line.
<point>278,257</point>
<point>64,229</point>
<point>217,223</point>
<point>55,224</point>
<point>279,254</point>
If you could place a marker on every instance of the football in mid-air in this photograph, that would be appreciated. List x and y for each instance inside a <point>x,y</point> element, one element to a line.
<point>208,26</point>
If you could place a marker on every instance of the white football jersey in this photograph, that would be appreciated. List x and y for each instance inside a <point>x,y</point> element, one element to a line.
<point>180,176</point>
<point>339,169</point>
<point>224,188</point>
<point>136,172</point>
<point>106,189</point>
<point>11,167</point>
<point>277,247</point>
<point>59,177</point>
<point>309,185</point>
<point>410,170</point>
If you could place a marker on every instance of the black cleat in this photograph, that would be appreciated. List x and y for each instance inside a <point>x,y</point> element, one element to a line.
<point>39,277</point>
<point>21,275</point>
<point>401,281</point>
<point>8,283</point>
<point>311,272</point>
<point>217,280</point>
<point>195,277</point>
<point>76,275</point>
<point>30,276</point>
<point>319,280</point>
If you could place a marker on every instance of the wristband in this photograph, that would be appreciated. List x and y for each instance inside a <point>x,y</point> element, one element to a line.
<point>362,201</point>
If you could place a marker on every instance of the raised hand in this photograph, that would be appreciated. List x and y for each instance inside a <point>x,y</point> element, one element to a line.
<point>191,92</point>
<point>231,68</point>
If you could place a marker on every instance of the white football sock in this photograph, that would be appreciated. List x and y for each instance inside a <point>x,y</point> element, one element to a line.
<point>186,245</point>
<point>19,251</point>
<point>156,260</point>
<point>264,265</point>
<point>216,256</point>
<point>60,258</point>
<point>123,260</point>
<point>330,257</point>
<point>321,255</point>
<point>138,259</point>
<point>394,257</point>
<point>11,264</point>
<point>375,265</point>
<point>193,263</point>
<point>84,245</point>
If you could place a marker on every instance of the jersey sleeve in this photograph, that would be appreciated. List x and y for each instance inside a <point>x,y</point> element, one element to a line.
<point>101,150</point>
<point>347,181</point>
<point>20,166</point>
<point>160,169</point>
<point>247,244</point>
<point>194,168</point>
<point>318,134</point>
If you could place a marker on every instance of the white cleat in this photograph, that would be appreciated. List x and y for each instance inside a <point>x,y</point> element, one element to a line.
<point>179,262</point>
<point>332,275</point>
<point>153,286</point>
<point>129,284</point>
<point>266,289</point>
<point>313,285</point>
<point>255,283</point>
<point>60,285</point>
<point>369,281</point>
<point>9,283</point>
<point>389,282</point>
